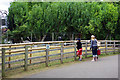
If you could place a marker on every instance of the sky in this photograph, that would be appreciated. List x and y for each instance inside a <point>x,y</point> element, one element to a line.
<point>5,4</point>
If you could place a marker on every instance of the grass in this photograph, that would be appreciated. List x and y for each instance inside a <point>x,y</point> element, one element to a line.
<point>41,67</point>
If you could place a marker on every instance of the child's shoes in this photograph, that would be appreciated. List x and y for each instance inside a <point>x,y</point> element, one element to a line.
<point>80,59</point>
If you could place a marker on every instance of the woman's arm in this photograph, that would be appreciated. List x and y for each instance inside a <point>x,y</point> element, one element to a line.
<point>91,44</point>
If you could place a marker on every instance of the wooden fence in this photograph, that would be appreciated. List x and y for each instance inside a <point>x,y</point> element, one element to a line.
<point>26,54</point>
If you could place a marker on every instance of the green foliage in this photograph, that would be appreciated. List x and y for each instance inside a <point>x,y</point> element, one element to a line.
<point>100,19</point>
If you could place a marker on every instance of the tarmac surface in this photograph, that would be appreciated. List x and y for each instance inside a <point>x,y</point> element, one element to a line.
<point>106,67</point>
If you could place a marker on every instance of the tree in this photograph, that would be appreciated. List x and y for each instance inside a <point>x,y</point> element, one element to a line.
<point>100,19</point>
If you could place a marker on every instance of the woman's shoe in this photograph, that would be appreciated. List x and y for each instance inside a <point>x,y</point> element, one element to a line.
<point>92,60</point>
<point>97,57</point>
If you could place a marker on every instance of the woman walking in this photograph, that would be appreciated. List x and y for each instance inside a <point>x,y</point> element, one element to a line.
<point>94,47</point>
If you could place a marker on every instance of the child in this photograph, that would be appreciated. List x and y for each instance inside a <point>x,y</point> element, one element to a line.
<point>79,47</point>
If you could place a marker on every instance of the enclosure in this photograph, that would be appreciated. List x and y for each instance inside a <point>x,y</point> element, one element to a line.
<point>24,55</point>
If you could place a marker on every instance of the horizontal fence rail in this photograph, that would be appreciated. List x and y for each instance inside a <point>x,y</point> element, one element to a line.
<point>22,55</point>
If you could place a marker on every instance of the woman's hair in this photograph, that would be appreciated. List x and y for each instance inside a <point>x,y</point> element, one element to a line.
<point>92,36</point>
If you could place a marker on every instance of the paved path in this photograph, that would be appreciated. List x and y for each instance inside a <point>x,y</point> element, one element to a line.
<point>106,67</point>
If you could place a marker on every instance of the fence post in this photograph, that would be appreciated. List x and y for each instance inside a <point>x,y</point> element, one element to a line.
<point>9,57</point>
<point>31,54</point>
<point>114,46</point>
<point>86,49</point>
<point>47,53</point>
<point>61,53</point>
<point>75,51</point>
<point>106,46</point>
<point>3,62</point>
<point>26,58</point>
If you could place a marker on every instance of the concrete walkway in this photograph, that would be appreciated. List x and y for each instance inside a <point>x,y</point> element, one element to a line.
<point>106,67</point>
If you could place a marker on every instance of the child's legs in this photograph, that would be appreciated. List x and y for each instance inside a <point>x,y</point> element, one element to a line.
<point>80,56</point>
<point>81,53</point>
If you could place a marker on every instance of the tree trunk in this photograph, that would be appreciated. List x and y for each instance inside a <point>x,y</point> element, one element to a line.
<point>22,39</point>
<point>43,38</point>
<point>35,37</point>
<point>39,38</point>
<point>106,37</point>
